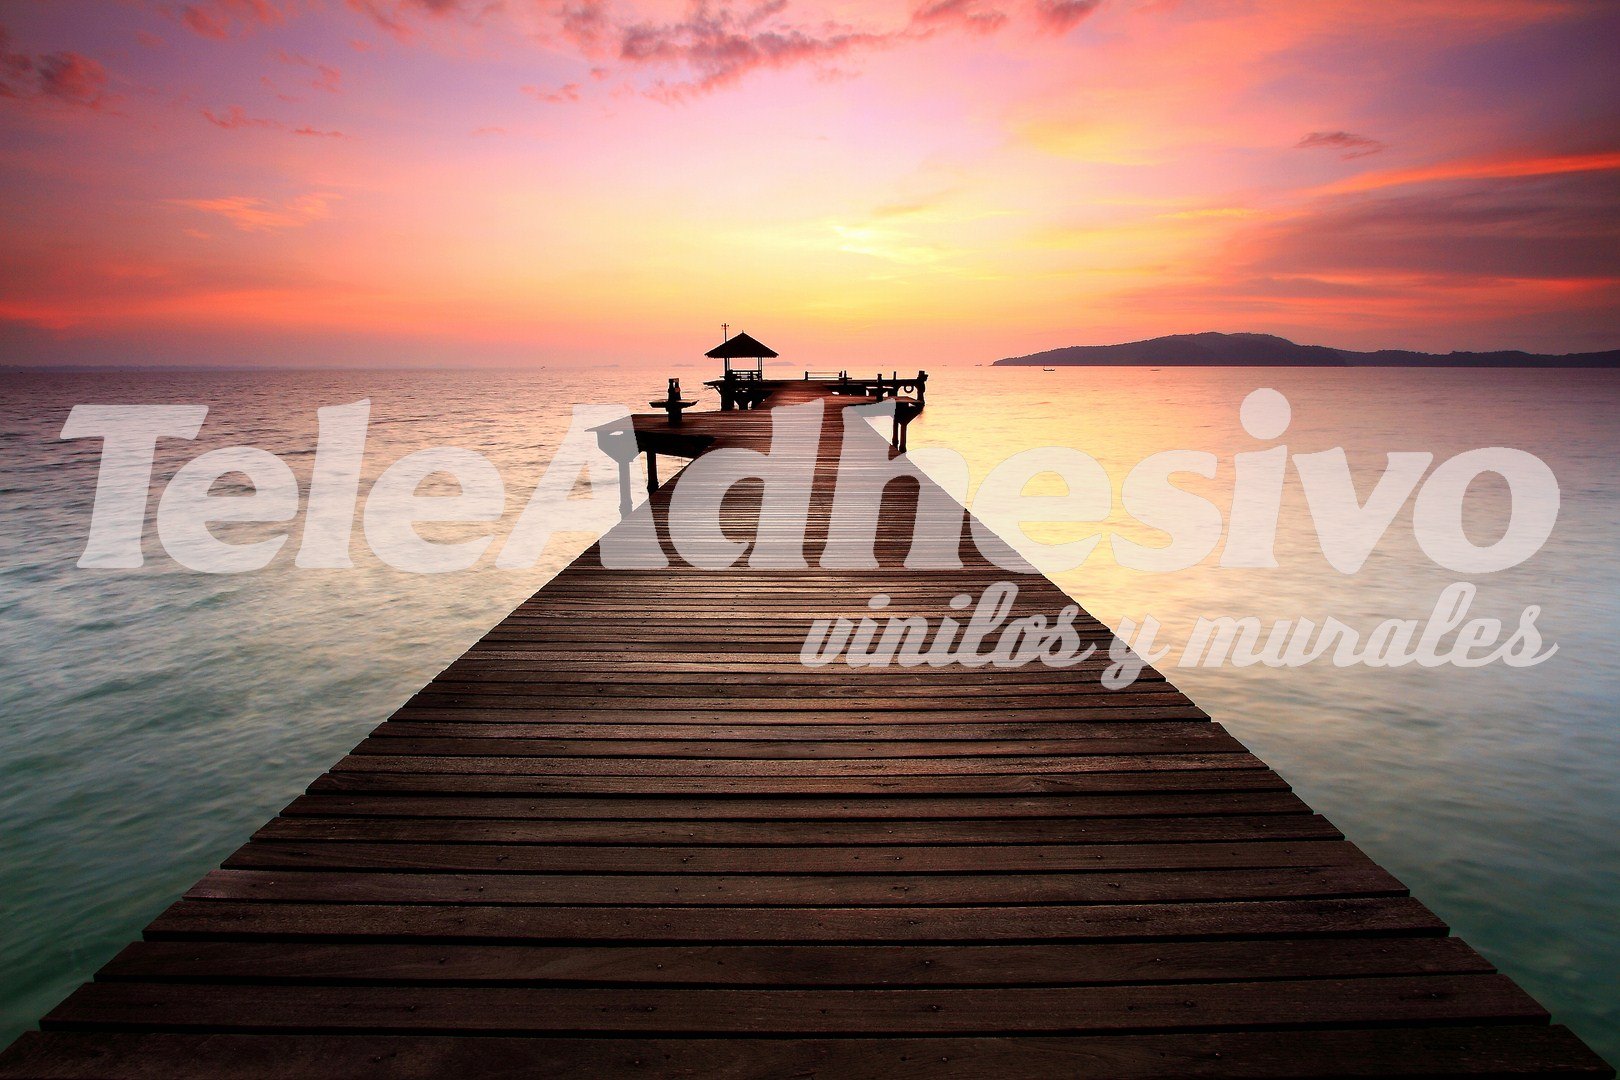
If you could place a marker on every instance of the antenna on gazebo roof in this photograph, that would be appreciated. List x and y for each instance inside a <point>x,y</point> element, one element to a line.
<point>725,331</point>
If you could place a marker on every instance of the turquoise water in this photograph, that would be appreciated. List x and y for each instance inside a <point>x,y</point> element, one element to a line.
<point>150,719</point>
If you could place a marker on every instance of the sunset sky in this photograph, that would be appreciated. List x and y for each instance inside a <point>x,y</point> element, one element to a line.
<point>365,182</point>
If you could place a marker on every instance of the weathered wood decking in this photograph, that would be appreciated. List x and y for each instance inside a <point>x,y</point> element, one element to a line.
<point>628,833</point>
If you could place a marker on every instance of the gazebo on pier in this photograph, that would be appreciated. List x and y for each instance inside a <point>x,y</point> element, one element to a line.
<point>741,386</point>
<point>742,347</point>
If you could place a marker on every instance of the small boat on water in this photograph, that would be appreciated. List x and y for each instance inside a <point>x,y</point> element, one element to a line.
<point>1048,369</point>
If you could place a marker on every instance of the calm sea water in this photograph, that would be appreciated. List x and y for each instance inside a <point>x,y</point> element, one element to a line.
<point>150,719</point>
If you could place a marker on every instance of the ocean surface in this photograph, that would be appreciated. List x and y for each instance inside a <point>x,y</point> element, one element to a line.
<point>151,718</point>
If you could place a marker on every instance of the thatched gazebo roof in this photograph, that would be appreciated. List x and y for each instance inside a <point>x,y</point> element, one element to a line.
<point>740,347</point>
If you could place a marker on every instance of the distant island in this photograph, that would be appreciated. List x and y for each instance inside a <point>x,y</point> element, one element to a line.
<point>1268,350</point>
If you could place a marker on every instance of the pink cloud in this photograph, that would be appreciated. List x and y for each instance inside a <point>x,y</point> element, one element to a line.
<point>391,15</point>
<point>1348,144</point>
<point>205,24</point>
<point>1061,16</point>
<point>719,47</point>
<point>563,95</point>
<point>383,16</point>
<point>971,15</point>
<point>66,77</point>
<point>585,24</point>
<point>220,19</point>
<point>270,84</point>
<point>69,77</point>
<point>237,117</point>
<point>712,45</point>
<point>326,78</point>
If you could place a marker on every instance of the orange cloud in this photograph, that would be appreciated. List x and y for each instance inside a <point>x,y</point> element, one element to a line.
<point>251,214</point>
<point>1488,169</point>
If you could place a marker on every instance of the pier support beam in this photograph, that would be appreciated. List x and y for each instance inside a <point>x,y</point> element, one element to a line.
<point>905,411</point>
<point>624,489</point>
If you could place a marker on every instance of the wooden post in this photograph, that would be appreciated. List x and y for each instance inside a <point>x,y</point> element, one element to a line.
<point>652,472</point>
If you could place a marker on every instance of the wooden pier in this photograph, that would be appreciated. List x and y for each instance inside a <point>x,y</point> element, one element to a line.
<point>630,834</point>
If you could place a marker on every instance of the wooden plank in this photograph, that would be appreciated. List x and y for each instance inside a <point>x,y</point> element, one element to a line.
<point>1046,1010</point>
<point>585,859</point>
<point>837,767</point>
<point>1111,710</point>
<point>1081,794</point>
<point>795,699</point>
<point>903,733</point>
<point>792,965</point>
<point>835,833</point>
<point>481,745</point>
<point>799,890</point>
<point>1350,917</point>
<point>1494,1050</point>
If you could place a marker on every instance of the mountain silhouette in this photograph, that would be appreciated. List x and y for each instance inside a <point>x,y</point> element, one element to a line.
<point>1268,350</point>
